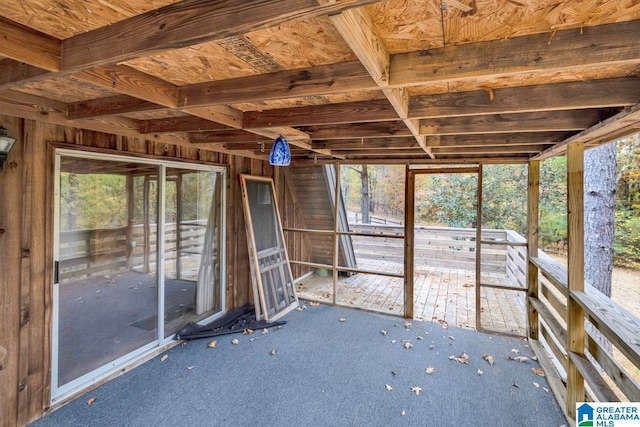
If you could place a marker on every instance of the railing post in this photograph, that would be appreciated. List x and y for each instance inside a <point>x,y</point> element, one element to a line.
<point>533,198</point>
<point>409,240</point>
<point>575,227</point>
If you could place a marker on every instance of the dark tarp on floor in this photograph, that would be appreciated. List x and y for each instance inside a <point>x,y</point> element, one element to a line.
<point>236,321</point>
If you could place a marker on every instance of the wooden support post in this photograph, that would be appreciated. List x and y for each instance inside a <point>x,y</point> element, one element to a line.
<point>533,199</point>
<point>130,219</point>
<point>479,251</point>
<point>336,237</point>
<point>575,226</point>
<point>409,240</point>
<point>179,218</point>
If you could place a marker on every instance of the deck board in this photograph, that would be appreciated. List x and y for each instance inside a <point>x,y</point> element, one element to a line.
<point>442,295</point>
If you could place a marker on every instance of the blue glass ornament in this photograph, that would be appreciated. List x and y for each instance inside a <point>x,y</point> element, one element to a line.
<point>280,153</point>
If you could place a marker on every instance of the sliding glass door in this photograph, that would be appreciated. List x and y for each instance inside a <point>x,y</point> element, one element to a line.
<point>118,219</point>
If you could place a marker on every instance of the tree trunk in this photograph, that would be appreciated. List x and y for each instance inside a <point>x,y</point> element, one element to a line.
<point>364,201</point>
<point>599,216</point>
<point>599,213</point>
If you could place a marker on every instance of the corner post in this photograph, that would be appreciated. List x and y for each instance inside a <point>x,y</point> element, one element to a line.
<point>575,227</point>
<point>533,200</point>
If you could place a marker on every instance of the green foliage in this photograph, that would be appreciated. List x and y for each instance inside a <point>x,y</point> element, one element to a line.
<point>553,203</point>
<point>92,201</point>
<point>446,199</point>
<point>626,245</point>
<point>99,200</point>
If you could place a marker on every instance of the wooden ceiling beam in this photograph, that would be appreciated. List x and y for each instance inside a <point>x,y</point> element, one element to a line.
<point>129,81</point>
<point>504,139</point>
<point>347,112</point>
<point>358,30</point>
<point>602,45</point>
<point>44,104</point>
<point>361,130</point>
<point>624,123</point>
<point>411,152</point>
<point>545,121</point>
<point>109,106</point>
<point>180,124</point>
<point>110,125</point>
<point>321,80</point>
<point>221,137</point>
<point>14,73</point>
<point>186,23</point>
<point>619,92</point>
<point>492,149</point>
<point>368,143</point>
<point>32,47</point>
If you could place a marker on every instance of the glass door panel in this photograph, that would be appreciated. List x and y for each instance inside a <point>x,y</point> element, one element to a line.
<point>193,214</point>
<point>107,286</point>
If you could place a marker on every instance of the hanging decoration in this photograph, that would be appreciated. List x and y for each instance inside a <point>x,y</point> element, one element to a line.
<point>280,153</point>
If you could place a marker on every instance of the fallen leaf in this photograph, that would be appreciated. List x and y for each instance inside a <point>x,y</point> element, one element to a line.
<point>342,319</point>
<point>273,352</point>
<point>265,331</point>
<point>393,341</point>
<point>253,339</point>
<point>534,358</point>
<point>248,331</point>
<point>515,350</point>
<point>314,304</point>
<point>538,371</point>
<point>515,385</point>
<point>452,338</point>
<point>91,400</point>
<point>408,345</point>
<point>165,357</point>
<point>189,367</point>
<point>383,332</point>
<point>416,390</point>
<point>480,372</point>
<point>431,346</point>
<point>419,337</point>
<point>213,344</point>
<point>464,358</point>
<point>545,389</point>
<point>536,385</point>
<point>235,341</point>
<point>407,325</point>
<point>394,373</point>
<point>521,359</point>
<point>429,370</point>
<point>488,358</point>
<point>403,413</point>
<point>388,387</point>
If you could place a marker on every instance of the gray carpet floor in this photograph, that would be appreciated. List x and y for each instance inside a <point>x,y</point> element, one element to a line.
<point>331,367</point>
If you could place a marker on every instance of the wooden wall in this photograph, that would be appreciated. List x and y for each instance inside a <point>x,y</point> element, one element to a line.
<point>26,258</point>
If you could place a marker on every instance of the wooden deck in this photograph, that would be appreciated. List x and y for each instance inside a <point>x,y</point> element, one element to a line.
<point>443,295</point>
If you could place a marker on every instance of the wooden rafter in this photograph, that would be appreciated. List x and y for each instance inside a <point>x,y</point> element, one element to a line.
<point>184,24</point>
<point>358,30</point>
<point>562,50</point>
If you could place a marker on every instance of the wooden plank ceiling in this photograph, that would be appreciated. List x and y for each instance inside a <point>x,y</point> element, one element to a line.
<point>352,80</point>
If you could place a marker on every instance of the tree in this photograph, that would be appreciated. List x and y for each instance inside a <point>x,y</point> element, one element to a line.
<point>599,215</point>
<point>365,201</point>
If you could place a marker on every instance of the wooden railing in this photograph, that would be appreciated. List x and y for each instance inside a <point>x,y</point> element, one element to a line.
<point>444,247</point>
<point>611,359</point>
<point>93,252</point>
